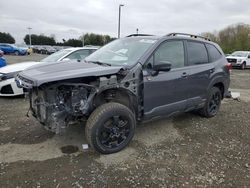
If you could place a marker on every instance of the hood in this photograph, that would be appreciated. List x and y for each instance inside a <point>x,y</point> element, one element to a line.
<point>235,57</point>
<point>49,72</point>
<point>17,67</point>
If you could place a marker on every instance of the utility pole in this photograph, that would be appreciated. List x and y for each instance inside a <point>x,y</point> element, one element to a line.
<point>29,28</point>
<point>119,20</point>
<point>83,40</point>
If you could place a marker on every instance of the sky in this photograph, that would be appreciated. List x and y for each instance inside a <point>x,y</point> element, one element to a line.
<point>70,19</point>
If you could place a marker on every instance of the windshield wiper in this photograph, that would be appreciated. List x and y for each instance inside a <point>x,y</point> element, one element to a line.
<point>100,63</point>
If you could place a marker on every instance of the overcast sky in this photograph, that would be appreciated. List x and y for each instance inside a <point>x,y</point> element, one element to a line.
<point>70,19</point>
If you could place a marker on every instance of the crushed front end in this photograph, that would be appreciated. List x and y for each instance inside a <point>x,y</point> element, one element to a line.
<point>55,105</point>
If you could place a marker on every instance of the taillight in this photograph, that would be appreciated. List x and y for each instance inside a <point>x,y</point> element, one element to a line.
<point>229,66</point>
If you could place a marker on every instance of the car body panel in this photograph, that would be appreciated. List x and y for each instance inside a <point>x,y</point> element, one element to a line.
<point>17,67</point>
<point>49,72</point>
<point>10,83</point>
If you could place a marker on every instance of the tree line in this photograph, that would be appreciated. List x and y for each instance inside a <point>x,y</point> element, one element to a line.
<point>87,39</point>
<point>232,38</point>
<point>6,38</point>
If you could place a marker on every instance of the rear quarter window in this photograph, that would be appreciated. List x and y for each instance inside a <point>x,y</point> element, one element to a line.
<point>213,53</point>
<point>197,53</point>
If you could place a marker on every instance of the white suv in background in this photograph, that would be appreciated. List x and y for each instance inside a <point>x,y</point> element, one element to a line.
<point>239,59</point>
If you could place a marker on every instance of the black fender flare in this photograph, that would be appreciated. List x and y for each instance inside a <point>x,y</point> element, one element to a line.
<point>217,80</point>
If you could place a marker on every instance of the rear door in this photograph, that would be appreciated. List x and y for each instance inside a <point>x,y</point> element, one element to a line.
<point>166,92</point>
<point>200,68</point>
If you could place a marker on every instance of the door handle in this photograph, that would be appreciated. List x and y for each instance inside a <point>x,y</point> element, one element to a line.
<point>184,75</point>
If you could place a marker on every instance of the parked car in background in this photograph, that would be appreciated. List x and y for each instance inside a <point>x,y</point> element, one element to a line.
<point>239,59</point>
<point>48,50</point>
<point>2,59</point>
<point>12,49</point>
<point>8,86</point>
<point>58,48</point>
<point>38,49</point>
<point>129,81</point>
<point>26,47</point>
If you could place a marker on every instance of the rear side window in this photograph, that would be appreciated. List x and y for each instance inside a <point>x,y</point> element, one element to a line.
<point>197,53</point>
<point>213,53</point>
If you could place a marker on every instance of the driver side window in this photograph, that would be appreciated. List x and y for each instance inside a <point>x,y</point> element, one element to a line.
<point>170,52</point>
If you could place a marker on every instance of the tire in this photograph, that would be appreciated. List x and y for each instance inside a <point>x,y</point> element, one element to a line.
<point>16,53</point>
<point>110,128</point>
<point>212,104</point>
<point>243,66</point>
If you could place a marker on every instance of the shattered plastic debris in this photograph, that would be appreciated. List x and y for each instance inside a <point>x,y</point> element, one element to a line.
<point>235,95</point>
<point>85,146</point>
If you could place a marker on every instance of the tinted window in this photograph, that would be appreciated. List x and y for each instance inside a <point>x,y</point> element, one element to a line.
<point>171,52</point>
<point>197,53</point>
<point>213,53</point>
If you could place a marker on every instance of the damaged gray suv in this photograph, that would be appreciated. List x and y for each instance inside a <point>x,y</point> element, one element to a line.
<point>130,80</point>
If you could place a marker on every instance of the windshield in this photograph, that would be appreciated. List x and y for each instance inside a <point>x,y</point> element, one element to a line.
<point>239,54</point>
<point>55,56</point>
<point>126,51</point>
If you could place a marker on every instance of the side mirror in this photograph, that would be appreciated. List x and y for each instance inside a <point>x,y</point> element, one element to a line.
<point>162,66</point>
<point>248,56</point>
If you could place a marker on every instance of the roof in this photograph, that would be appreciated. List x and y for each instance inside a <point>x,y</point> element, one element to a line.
<point>173,35</point>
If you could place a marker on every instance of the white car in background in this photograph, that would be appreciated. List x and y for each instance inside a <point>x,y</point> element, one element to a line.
<point>239,59</point>
<point>8,86</point>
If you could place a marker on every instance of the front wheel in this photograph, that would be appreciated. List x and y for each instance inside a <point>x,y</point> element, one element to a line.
<point>16,53</point>
<point>110,128</point>
<point>213,102</point>
<point>243,66</point>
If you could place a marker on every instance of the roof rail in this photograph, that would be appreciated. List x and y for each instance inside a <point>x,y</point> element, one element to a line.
<point>190,35</point>
<point>137,35</point>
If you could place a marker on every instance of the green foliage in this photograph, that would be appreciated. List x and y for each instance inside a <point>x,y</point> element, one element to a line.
<point>232,38</point>
<point>39,40</point>
<point>89,39</point>
<point>73,43</point>
<point>96,39</point>
<point>6,38</point>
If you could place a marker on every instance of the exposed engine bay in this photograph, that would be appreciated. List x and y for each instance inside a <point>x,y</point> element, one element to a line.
<point>57,104</point>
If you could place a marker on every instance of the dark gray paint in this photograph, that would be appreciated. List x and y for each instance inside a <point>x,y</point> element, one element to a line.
<point>49,72</point>
<point>178,90</point>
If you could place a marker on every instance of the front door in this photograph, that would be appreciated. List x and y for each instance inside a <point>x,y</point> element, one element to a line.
<point>166,92</point>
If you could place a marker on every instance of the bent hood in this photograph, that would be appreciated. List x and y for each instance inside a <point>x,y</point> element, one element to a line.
<point>49,72</point>
<point>17,67</point>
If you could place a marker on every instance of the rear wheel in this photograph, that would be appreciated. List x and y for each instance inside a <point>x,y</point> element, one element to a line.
<point>110,128</point>
<point>213,102</point>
